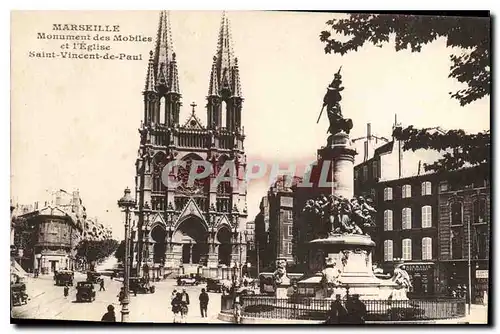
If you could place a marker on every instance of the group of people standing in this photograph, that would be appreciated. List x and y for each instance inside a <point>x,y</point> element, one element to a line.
<point>180,305</point>
<point>354,311</point>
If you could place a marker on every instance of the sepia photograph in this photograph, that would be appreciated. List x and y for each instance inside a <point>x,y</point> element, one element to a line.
<point>250,167</point>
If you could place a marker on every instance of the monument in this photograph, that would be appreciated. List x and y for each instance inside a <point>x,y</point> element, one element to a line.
<point>340,257</point>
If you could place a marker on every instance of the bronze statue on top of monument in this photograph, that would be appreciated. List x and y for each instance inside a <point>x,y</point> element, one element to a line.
<point>332,103</point>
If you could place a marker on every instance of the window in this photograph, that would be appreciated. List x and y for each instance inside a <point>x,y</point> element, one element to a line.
<point>426,188</point>
<point>365,172</point>
<point>290,231</point>
<point>406,249</point>
<point>289,248</point>
<point>426,248</point>
<point>388,220</point>
<point>374,170</point>
<point>456,213</point>
<point>426,216</point>
<point>388,253</point>
<point>456,242</point>
<point>479,210</point>
<point>480,242</point>
<point>388,194</point>
<point>406,219</point>
<point>406,191</point>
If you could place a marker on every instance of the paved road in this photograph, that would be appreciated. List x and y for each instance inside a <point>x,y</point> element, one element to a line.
<point>48,302</point>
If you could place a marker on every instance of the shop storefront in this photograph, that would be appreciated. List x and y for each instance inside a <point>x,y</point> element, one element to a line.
<point>422,278</point>
<point>455,276</point>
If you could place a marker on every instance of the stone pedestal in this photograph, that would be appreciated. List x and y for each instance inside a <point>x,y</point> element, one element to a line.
<point>340,153</point>
<point>282,291</point>
<point>352,257</point>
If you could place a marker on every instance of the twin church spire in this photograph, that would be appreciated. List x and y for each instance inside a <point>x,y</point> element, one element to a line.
<point>162,81</point>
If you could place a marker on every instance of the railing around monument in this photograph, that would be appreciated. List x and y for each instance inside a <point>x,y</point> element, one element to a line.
<point>317,309</point>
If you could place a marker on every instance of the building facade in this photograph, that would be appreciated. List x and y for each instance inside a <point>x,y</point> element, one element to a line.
<point>181,224</point>
<point>45,239</point>
<point>464,231</point>
<point>422,219</point>
<point>275,224</point>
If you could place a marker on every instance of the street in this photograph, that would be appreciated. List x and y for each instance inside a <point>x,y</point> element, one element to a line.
<point>47,302</point>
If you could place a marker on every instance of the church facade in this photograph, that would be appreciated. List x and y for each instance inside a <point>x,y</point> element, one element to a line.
<point>182,226</point>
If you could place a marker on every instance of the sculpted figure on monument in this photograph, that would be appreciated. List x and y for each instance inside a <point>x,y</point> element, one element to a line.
<point>401,277</point>
<point>331,101</point>
<point>330,274</point>
<point>280,273</point>
<point>338,215</point>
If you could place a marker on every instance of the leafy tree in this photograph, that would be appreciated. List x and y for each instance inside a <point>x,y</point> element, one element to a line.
<point>120,252</point>
<point>96,250</point>
<point>459,148</point>
<point>470,34</point>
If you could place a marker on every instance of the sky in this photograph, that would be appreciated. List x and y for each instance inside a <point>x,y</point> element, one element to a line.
<point>74,122</point>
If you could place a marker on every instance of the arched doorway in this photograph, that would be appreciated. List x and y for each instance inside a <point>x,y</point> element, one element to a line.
<point>225,248</point>
<point>158,234</point>
<point>191,235</point>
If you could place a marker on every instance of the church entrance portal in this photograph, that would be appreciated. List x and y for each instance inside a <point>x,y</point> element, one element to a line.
<point>224,239</point>
<point>191,236</point>
<point>158,235</point>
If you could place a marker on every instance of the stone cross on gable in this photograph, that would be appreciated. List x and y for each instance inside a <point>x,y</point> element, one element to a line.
<point>193,105</point>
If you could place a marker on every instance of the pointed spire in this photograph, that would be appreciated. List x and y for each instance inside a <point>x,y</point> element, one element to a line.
<point>174,76</point>
<point>166,73</point>
<point>236,84</point>
<point>213,89</point>
<point>224,63</point>
<point>150,76</point>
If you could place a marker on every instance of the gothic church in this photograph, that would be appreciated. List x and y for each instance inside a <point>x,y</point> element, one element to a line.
<point>182,227</point>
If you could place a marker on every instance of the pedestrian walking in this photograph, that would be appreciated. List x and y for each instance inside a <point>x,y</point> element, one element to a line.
<point>237,308</point>
<point>337,313</point>
<point>203,303</point>
<point>66,290</point>
<point>176,307</point>
<point>356,310</point>
<point>110,315</point>
<point>121,295</point>
<point>174,294</point>
<point>102,285</point>
<point>184,305</point>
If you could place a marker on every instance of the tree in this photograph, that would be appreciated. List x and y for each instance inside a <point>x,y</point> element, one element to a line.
<point>459,148</point>
<point>120,251</point>
<point>95,250</point>
<point>470,34</point>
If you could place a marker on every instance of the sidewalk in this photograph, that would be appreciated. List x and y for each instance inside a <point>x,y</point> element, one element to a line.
<point>478,314</point>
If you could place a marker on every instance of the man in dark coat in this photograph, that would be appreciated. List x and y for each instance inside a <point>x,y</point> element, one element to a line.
<point>66,290</point>
<point>203,303</point>
<point>102,285</point>
<point>356,310</point>
<point>184,305</point>
<point>337,313</point>
<point>110,315</point>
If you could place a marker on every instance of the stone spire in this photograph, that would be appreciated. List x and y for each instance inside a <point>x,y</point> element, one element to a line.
<point>174,76</point>
<point>150,76</point>
<point>166,75</point>
<point>224,63</point>
<point>213,89</point>
<point>236,84</point>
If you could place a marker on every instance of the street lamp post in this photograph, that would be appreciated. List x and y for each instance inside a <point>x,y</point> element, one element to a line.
<point>469,264</point>
<point>126,203</point>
